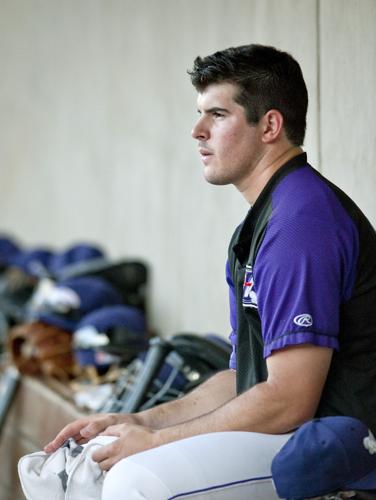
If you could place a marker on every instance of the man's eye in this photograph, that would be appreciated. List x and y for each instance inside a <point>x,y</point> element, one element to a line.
<point>216,114</point>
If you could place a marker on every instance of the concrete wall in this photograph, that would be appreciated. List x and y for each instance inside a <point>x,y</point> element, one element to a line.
<point>95,115</point>
<point>347,54</point>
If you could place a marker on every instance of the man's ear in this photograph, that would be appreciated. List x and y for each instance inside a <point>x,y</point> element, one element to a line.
<point>272,126</point>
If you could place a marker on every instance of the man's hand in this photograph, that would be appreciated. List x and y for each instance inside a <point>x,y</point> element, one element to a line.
<point>208,396</point>
<point>87,428</point>
<point>132,439</point>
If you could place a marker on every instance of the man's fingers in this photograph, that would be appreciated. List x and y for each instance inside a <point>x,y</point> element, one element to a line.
<point>113,430</point>
<point>71,430</point>
<point>82,430</point>
<point>104,453</point>
<point>107,456</point>
<point>80,440</point>
<point>56,443</point>
<point>91,430</point>
<point>107,464</point>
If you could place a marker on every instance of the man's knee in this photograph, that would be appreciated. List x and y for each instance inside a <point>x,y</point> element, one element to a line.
<point>128,480</point>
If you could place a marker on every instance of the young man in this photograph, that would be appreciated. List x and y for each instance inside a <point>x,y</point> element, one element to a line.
<point>302,277</point>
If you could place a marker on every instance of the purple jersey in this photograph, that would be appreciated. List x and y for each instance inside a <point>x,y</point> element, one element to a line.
<point>304,269</point>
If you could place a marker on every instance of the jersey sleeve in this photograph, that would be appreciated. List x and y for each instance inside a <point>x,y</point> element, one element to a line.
<point>304,270</point>
<point>233,317</point>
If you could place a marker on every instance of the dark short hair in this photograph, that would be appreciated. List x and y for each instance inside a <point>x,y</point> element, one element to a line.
<point>266,78</point>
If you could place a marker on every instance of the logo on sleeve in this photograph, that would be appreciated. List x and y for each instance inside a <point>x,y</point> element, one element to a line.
<point>249,295</point>
<point>303,320</point>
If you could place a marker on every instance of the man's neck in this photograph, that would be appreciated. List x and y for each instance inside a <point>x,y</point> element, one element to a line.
<point>272,161</point>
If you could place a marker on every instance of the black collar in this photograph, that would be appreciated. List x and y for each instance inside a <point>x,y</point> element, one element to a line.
<point>242,246</point>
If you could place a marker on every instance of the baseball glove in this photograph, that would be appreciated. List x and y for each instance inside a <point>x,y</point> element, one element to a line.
<point>37,348</point>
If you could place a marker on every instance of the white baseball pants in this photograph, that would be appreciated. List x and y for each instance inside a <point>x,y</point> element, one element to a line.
<point>216,466</point>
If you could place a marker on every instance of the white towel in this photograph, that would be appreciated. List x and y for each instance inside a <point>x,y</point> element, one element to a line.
<point>68,474</point>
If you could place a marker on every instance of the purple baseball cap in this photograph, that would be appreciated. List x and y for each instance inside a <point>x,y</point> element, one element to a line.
<point>326,455</point>
<point>8,249</point>
<point>109,317</point>
<point>94,332</point>
<point>33,262</point>
<point>74,298</point>
<point>75,254</point>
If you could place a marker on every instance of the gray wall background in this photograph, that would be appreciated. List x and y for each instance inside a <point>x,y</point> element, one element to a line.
<point>95,117</point>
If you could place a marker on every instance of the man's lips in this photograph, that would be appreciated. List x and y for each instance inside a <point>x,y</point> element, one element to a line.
<point>205,153</point>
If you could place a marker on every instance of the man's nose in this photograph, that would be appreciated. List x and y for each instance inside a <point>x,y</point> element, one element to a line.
<point>199,131</point>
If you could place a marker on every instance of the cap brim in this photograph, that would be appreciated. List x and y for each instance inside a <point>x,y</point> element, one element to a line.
<point>367,482</point>
<point>59,321</point>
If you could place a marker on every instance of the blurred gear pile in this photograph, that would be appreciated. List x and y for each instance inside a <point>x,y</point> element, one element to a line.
<point>79,317</point>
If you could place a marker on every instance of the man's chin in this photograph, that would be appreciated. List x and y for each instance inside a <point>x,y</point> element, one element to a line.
<point>215,180</point>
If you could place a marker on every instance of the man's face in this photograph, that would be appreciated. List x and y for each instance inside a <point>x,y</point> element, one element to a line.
<point>229,146</point>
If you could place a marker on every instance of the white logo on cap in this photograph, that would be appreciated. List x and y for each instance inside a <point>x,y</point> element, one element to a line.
<point>370,443</point>
<point>63,299</point>
<point>303,320</point>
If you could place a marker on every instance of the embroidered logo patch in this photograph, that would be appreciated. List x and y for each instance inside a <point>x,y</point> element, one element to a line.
<point>303,320</point>
<point>249,295</point>
<point>370,443</point>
